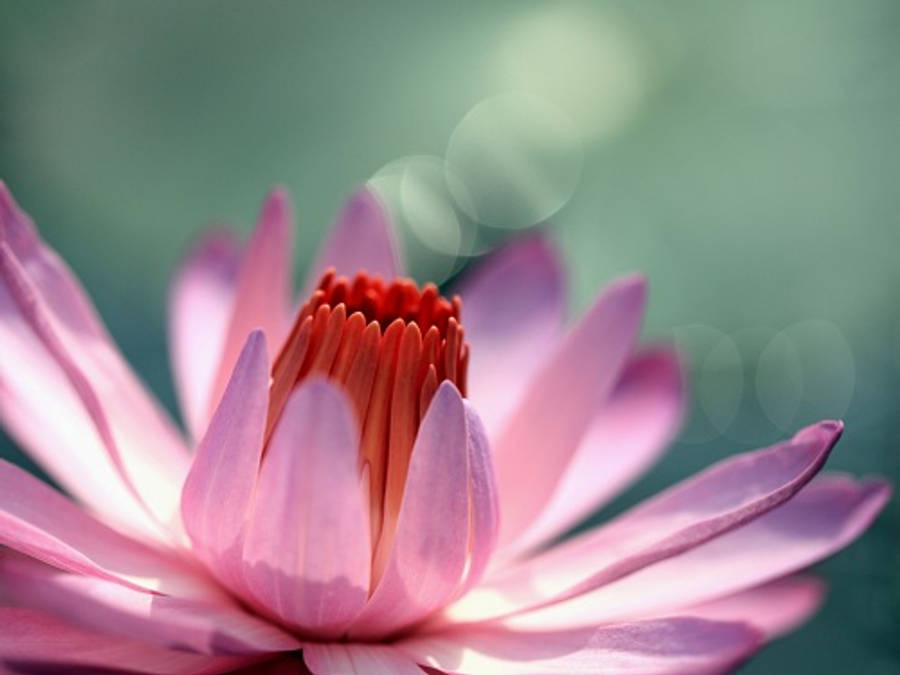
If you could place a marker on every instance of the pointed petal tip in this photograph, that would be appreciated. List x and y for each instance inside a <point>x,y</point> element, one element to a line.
<point>540,244</point>
<point>364,195</point>
<point>629,293</point>
<point>256,341</point>
<point>447,388</point>
<point>881,488</point>
<point>633,285</point>
<point>447,399</point>
<point>277,208</point>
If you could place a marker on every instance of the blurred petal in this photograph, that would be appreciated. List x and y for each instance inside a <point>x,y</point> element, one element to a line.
<point>307,553</point>
<point>205,627</point>
<point>513,311</point>
<point>821,519</point>
<point>430,547</point>
<point>51,338</point>
<point>362,238</point>
<point>668,646</point>
<point>711,503</point>
<point>33,642</point>
<point>200,303</point>
<point>542,434</point>
<point>357,659</point>
<point>58,286</point>
<point>215,502</point>
<point>776,608</point>
<point>262,298</point>
<point>41,523</point>
<point>625,438</point>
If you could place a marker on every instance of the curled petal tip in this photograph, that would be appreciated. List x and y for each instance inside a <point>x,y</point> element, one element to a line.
<point>830,431</point>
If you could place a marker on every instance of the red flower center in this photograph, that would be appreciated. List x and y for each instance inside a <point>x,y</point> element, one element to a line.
<point>389,345</point>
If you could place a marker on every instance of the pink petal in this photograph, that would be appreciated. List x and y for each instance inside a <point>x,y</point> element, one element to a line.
<point>357,659</point>
<point>262,298</point>
<point>217,495</point>
<point>625,438</point>
<point>52,341</point>
<point>34,642</point>
<point>513,311</point>
<point>362,238</point>
<point>776,608</point>
<point>59,287</point>
<point>484,509</point>
<point>69,448</point>
<point>200,302</point>
<point>711,503</point>
<point>668,646</point>
<point>821,519</point>
<point>307,553</point>
<point>542,435</point>
<point>41,523</point>
<point>429,554</point>
<point>205,627</point>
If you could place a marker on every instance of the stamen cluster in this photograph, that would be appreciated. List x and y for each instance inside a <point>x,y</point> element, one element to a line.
<point>389,345</point>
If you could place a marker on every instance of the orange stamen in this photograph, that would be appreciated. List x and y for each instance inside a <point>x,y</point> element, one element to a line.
<point>389,345</point>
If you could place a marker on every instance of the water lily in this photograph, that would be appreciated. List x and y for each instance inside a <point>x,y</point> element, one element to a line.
<point>375,478</point>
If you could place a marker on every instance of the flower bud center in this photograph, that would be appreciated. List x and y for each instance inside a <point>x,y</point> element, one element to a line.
<point>389,345</point>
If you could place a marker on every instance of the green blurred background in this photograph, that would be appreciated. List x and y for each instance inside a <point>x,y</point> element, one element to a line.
<point>745,155</point>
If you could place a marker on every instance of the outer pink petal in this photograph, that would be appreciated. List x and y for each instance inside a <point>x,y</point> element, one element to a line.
<point>217,495</point>
<point>39,522</point>
<point>626,437</point>
<point>59,287</point>
<point>262,299</point>
<point>823,518</point>
<point>307,554</point>
<point>660,647</point>
<point>715,501</point>
<point>33,642</point>
<point>541,436</point>
<point>362,238</point>
<point>209,628</point>
<point>200,303</point>
<point>775,608</point>
<point>52,340</point>
<point>69,448</point>
<point>513,311</point>
<point>357,659</point>
<point>430,548</point>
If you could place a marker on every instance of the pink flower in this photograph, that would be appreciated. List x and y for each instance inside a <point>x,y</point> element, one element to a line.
<point>378,475</point>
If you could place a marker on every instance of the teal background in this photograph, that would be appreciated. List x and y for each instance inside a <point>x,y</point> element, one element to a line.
<point>745,155</point>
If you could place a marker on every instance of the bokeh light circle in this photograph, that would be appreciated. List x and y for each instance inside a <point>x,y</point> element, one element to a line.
<point>779,381</point>
<point>717,382</point>
<point>753,424</point>
<point>589,60</point>
<point>806,373</point>
<point>436,237</point>
<point>514,160</point>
